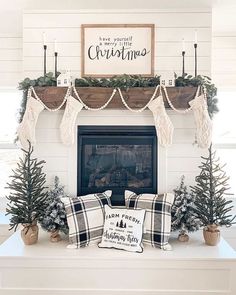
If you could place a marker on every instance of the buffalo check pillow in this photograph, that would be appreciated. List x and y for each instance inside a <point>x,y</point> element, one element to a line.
<point>85,217</point>
<point>157,224</point>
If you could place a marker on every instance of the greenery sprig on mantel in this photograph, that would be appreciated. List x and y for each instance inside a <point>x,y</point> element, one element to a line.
<point>124,82</point>
<point>211,90</point>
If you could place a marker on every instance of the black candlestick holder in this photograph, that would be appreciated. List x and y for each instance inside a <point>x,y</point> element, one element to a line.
<point>195,59</point>
<point>44,59</point>
<point>55,55</point>
<point>183,66</point>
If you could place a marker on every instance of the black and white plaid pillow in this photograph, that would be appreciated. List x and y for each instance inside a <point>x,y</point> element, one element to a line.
<point>85,217</point>
<point>157,224</point>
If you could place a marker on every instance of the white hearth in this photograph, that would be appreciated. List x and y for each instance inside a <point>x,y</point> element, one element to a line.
<point>51,269</point>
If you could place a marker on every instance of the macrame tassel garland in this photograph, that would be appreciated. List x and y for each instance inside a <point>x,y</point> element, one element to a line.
<point>73,107</point>
<point>202,120</point>
<point>163,124</point>
<point>26,129</point>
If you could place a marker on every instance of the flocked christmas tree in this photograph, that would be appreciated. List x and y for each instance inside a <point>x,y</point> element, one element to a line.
<point>27,194</point>
<point>211,206</point>
<point>54,218</point>
<point>182,217</point>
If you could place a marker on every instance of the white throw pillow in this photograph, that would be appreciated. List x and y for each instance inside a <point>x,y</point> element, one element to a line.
<point>123,229</point>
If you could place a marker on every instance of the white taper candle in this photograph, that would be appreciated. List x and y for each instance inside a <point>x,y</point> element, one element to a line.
<point>55,45</point>
<point>195,37</point>
<point>183,44</point>
<point>44,38</point>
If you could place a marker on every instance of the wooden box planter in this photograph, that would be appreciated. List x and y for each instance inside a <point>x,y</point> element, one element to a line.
<point>136,97</point>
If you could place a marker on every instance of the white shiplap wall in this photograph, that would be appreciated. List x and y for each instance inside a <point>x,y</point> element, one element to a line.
<point>10,60</point>
<point>224,47</point>
<point>171,26</point>
<point>224,60</point>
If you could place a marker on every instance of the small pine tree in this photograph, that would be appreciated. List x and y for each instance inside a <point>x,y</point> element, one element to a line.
<point>182,216</point>
<point>54,217</point>
<point>211,206</point>
<point>27,191</point>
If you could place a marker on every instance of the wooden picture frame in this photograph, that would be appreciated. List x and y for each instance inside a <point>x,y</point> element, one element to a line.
<point>116,49</point>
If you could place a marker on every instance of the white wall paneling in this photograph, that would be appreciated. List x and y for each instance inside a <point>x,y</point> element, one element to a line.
<point>10,66</point>
<point>162,64</point>
<point>10,42</point>
<point>180,150</point>
<point>170,27</point>
<point>10,79</point>
<point>224,60</point>
<point>224,47</point>
<point>71,35</point>
<point>184,5</point>
<point>162,48</point>
<point>70,19</point>
<point>10,60</point>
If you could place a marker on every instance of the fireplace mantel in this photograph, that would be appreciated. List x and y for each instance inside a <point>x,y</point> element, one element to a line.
<point>136,97</point>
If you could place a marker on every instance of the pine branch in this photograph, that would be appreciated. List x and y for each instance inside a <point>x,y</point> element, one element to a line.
<point>54,217</point>
<point>27,196</point>
<point>210,189</point>
<point>182,210</point>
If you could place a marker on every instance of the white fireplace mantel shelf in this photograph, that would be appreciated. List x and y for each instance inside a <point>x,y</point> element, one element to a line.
<point>49,268</point>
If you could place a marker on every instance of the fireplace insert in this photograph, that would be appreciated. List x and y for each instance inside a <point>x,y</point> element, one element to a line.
<point>116,158</point>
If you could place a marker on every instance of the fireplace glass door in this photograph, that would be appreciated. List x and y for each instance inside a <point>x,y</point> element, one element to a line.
<point>117,158</point>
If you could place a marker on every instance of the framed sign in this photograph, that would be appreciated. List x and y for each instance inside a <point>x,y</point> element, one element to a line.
<point>108,50</point>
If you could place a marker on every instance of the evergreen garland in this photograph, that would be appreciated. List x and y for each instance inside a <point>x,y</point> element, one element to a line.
<point>211,90</point>
<point>182,212</point>
<point>48,80</point>
<point>54,217</point>
<point>124,82</point>
<point>27,191</point>
<point>211,206</point>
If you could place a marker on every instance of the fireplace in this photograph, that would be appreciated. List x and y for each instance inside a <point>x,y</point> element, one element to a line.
<point>116,158</point>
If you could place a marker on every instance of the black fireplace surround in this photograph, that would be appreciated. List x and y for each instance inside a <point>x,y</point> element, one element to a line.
<point>116,158</point>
